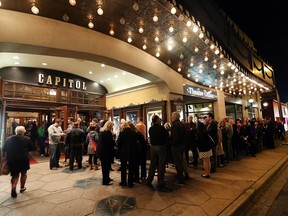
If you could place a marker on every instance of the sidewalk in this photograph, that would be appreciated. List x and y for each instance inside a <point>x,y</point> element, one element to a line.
<point>229,191</point>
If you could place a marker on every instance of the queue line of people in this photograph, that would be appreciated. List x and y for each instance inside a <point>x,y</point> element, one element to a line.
<point>214,144</point>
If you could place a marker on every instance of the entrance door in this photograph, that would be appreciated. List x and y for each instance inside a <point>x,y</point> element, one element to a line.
<point>61,112</point>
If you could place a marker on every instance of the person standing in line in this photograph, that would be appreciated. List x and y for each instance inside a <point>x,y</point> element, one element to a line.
<point>140,126</point>
<point>127,143</point>
<point>212,130</point>
<point>204,147</point>
<point>178,132</point>
<point>159,139</point>
<point>55,133</point>
<point>92,139</point>
<point>105,150</point>
<point>16,150</point>
<point>74,140</point>
<point>191,141</point>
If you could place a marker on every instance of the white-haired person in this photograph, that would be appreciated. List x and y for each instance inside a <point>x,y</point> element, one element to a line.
<point>16,150</point>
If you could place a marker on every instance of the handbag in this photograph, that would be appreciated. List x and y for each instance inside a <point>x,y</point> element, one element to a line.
<point>5,168</point>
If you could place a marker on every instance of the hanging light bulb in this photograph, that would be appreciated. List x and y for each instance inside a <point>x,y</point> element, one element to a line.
<point>72,2</point>
<point>155,18</point>
<point>171,29</point>
<point>184,39</point>
<point>195,28</point>
<point>111,32</point>
<point>201,35</point>
<point>144,47</point>
<point>157,39</point>
<point>100,11</point>
<point>189,23</point>
<point>173,10</point>
<point>91,24</point>
<point>157,54</point>
<point>34,9</point>
<point>129,39</point>
<point>196,49</point>
<point>141,30</point>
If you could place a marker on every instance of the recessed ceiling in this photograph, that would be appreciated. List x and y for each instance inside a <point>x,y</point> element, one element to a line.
<point>113,79</point>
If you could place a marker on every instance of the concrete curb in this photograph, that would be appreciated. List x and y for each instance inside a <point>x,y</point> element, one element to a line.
<point>244,201</point>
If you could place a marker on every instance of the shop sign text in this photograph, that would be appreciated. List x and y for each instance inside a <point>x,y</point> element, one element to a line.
<point>63,82</point>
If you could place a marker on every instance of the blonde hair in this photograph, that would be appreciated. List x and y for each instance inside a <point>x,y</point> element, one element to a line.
<point>108,126</point>
<point>20,130</point>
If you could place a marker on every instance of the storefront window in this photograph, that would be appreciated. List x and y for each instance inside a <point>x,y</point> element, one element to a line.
<point>132,116</point>
<point>199,109</point>
<point>116,120</point>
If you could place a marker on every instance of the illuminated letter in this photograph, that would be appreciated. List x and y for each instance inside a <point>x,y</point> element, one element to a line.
<point>57,80</point>
<point>64,82</point>
<point>84,86</point>
<point>78,84</point>
<point>41,78</point>
<point>70,83</point>
<point>49,80</point>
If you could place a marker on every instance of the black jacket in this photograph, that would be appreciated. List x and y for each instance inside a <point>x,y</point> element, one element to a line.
<point>75,138</point>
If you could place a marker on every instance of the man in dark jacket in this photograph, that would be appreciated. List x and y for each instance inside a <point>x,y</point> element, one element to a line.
<point>159,139</point>
<point>212,129</point>
<point>178,132</point>
<point>74,141</point>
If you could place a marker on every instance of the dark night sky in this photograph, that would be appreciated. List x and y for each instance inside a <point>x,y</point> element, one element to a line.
<point>266,23</point>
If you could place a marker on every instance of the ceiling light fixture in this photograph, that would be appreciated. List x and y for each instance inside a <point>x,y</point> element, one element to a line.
<point>184,39</point>
<point>141,30</point>
<point>91,24</point>
<point>173,10</point>
<point>72,2</point>
<point>65,17</point>
<point>135,6</point>
<point>34,8</point>
<point>144,47</point>
<point>171,29</point>
<point>111,32</point>
<point>155,18</point>
<point>100,11</point>
<point>189,23</point>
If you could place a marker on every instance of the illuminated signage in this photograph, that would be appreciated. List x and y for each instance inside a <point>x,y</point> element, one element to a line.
<point>198,92</point>
<point>63,82</point>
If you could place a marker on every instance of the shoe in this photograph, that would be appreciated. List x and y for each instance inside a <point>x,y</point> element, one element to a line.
<point>54,168</point>
<point>13,193</point>
<point>110,183</point>
<point>42,155</point>
<point>122,184</point>
<point>131,185</point>
<point>22,189</point>
<point>59,166</point>
<point>205,176</point>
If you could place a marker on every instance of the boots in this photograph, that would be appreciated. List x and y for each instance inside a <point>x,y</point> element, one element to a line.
<point>91,166</point>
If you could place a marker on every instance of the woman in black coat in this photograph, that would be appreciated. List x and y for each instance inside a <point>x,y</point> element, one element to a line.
<point>127,143</point>
<point>17,149</point>
<point>105,150</point>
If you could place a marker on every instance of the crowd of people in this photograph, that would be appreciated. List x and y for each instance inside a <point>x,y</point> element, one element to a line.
<point>179,144</point>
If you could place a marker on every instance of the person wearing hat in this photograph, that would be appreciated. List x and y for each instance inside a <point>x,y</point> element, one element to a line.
<point>159,139</point>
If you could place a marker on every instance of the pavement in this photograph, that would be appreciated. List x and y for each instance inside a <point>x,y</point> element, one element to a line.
<point>229,191</point>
